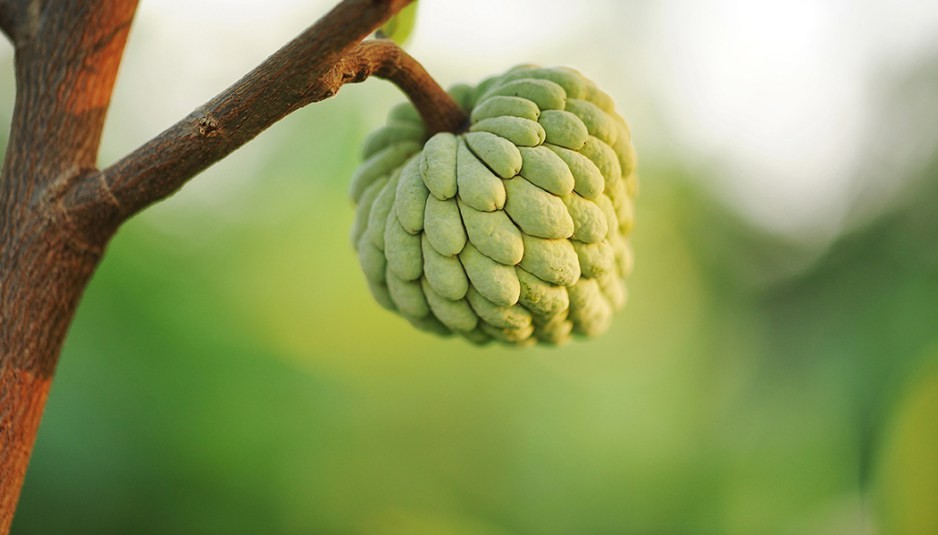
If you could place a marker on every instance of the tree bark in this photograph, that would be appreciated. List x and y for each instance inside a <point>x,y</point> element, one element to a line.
<point>67,55</point>
<point>58,211</point>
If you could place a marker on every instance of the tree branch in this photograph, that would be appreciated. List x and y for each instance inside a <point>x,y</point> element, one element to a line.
<point>11,12</point>
<point>286,81</point>
<point>384,59</point>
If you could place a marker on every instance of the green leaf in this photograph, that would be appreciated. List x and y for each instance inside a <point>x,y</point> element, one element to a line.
<point>399,28</point>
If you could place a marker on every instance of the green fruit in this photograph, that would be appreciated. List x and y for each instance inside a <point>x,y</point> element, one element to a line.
<point>410,200</point>
<point>444,227</point>
<point>545,94</point>
<point>407,296</point>
<point>445,274</point>
<point>402,249</point>
<point>554,329</point>
<point>520,131</point>
<point>542,298</point>
<point>553,261</point>
<point>378,215</point>
<point>542,167</point>
<point>598,124</point>
<point>381,163</point>
<point>589,221</point>
<point>497,153</point>
<point>455,314</point>
<point>477,185</point>
<point>438,165</point>
<point>564,129</point>
<point>493,234</point>
<point>511,317</point>
<point>496,282</point>
<point>515,229</point>
<point>537,212</point>
<point>495,107</point>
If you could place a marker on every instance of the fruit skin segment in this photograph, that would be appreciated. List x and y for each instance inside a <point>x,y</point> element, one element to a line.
<point>515,230</point>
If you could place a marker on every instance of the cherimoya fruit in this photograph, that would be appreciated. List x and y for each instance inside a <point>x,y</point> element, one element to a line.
<point>514,230</point>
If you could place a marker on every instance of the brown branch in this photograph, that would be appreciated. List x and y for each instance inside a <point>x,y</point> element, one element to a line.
<point>286,81</point>
<point>11,13</point>
<point>384,59</point>
<point>67,56</point>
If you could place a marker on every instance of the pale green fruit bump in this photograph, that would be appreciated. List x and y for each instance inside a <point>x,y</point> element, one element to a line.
<point>499,154</point>
<point>546,94</point>
<point>589,310</point>
<point>494,107</point>
<point>411,199</point>
<point>589,221</point>
<point>609,211</point>
<point>541,298</point>
<point>372,260</point>
<point>438,165</point>
<point>542,167</point>
<point>405,112</point>
<point>596,259</point>
<point>537,212</point>
<point>381,163</point>
<point>513,317</point>
<point>554,329</point>
<point>477,336</point>
<point>478,186</point>
<point>445,274</point>
<point>588,179</point>
<point>623,206</point>
<point>364,209</point>
<point>402,250</point>
<point>463,94</point>
<point>605,159</point>
<point>443,226</point>
<point>383,205</point>
<point>570,80</point>
<point>564,129</point>
<point>382,295</point>
<point>390,134</point>
<point>552,261</point>
<point>484,88</point>
<point>495,281</point>
<point>600,98</point>
<point>493,234</point>
<point>626,153</point>
<point>457,315</point>
<point>431,324</point>
<point>623,254</point>
<point>520,131</point>
<point>597,122</point>
<point>613,289</point>
<point>520,337</point>
<point>408,296</point>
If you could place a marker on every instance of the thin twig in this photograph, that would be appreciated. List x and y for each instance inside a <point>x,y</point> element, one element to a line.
<point>384,59</point>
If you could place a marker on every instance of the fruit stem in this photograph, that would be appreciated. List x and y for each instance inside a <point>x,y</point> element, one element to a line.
<point>384,59</point>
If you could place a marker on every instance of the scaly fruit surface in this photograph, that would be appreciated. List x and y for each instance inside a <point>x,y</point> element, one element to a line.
<point>515,230</point>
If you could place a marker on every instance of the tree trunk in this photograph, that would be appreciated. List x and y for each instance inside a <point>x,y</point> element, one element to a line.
<point>67,54</point>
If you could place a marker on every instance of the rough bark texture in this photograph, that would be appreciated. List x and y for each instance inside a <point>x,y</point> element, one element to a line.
<point>67,54</point>
<point>58,211</point>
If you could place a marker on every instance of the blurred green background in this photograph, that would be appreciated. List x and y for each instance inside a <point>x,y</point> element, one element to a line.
<point>228,372</point>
